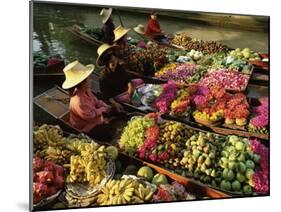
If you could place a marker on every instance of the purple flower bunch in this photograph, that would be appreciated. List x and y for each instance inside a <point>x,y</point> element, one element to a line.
<point>260,178</point>
<point>180,73</point>
<point>163,102</point>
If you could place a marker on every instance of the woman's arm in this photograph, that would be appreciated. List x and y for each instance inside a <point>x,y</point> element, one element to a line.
<point>116,105</point>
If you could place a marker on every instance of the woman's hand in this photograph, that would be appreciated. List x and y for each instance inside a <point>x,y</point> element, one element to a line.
<point>118,107</point>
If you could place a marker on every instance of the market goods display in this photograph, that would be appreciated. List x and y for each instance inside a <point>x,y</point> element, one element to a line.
<point>134,133</point>
<point>41,60</point>
<point>245,54</point>
<point>48,179</point>
<point>230,80</point>
<point>89,163</point>
<point>181,105</point>
<point>259,121</point>
<point>207,47</point>
<point>179,72</point>
<point>146,61</point>
<point>172,192</point>
<point>124,191</point>
<point>50,144</point>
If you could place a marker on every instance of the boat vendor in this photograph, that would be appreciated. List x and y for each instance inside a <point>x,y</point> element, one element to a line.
<point>139,29</point>
<point>114,78</point>
<point>108,26</point>
<point>153,29</point>
<point>120,39</point>
<point>87,113</point>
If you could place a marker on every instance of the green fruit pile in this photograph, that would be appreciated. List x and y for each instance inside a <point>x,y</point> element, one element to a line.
<point>200,156</point>
<point>174,132</point>
<point>245,54</point>
<point>238,163</point>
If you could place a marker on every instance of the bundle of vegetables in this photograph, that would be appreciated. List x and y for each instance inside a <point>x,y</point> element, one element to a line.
<point>40,59</point>
<point>134,133</point>
<point>259,121</point>
<point>177,72</point>
<point>236,109</point>
<point>180,106</point>
<point>230,80</point>
<point>260,179</point>
<point>94,32</point>
<point>173,54</point>
<point>164,101</point>
<point>245,54</point>
<point>206,47</point>
<point>48,179</point>
<point>147,60</point>
<point>172,192</point>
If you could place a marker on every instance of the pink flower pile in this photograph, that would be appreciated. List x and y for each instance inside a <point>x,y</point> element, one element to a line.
<point>230,80</point>
<point>260,119</point>
<point>260,178</point>
<point>164,101</point>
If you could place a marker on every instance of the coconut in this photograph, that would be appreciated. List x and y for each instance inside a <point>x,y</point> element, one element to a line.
<point>159,179</point>
<point>145,172</point>
<point>236,186</point>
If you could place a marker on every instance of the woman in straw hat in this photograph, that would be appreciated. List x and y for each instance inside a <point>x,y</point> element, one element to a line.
<point>114,78</point>
<point>86,111</point>
<point>108,26</point>
<point>120,39</point>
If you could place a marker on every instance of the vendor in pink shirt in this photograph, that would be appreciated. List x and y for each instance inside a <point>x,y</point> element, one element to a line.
<point>86,111</point>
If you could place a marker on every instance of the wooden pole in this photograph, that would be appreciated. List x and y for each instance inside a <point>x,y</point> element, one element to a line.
<point>120,18</point>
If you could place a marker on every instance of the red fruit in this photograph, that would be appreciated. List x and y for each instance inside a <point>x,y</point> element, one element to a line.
<point>45,177</point>
<point>35,177</point>
<point>51,191</point>
<point>39,189</point>
<point>59,170</point>
<point>50,166</point>
<point>59,182</point>
<point>38,164</point>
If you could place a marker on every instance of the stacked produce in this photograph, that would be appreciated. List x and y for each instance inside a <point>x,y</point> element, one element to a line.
<point>147,60</point>
<point>124,191</point>
<point>259,121</point>
<point>133,135</point>
<point>48,179</point>
<point>50,144</point>
<point>245,54</point>
<point>236,110</point>
<point>88,164</point>
<point>172,192</point>
<point>200,155</point>
<point>230,80</point>
<point>165,191</point>
<point>207,47</point>
<point>238,163</point>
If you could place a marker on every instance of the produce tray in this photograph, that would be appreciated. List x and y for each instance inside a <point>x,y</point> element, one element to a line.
<point>219,193</point>
<point>49,200</point>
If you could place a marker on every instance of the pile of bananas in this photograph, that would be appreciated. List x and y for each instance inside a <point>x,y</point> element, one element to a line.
<point>124,191</point>
<point>50,144</point>
<point>89,163</point>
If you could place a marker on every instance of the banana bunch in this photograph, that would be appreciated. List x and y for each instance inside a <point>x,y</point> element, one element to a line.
<point>89,165</point>
<point>50,144</point>
<point>60,156</point>
<point>125,191</point>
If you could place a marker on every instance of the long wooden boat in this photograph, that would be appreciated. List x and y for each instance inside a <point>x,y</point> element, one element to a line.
<point>55,102</point>
<point>50,71</point>
<point>76,30</point>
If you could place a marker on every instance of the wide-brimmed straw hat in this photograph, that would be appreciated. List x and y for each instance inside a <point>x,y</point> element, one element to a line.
<point>105,14</point>
<point>139,29</point>
<point>119,32</point>
<point>102,50</point>
<point>76,73</point>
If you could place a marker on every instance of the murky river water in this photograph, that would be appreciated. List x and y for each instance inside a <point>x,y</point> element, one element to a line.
<point>50,36</point>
